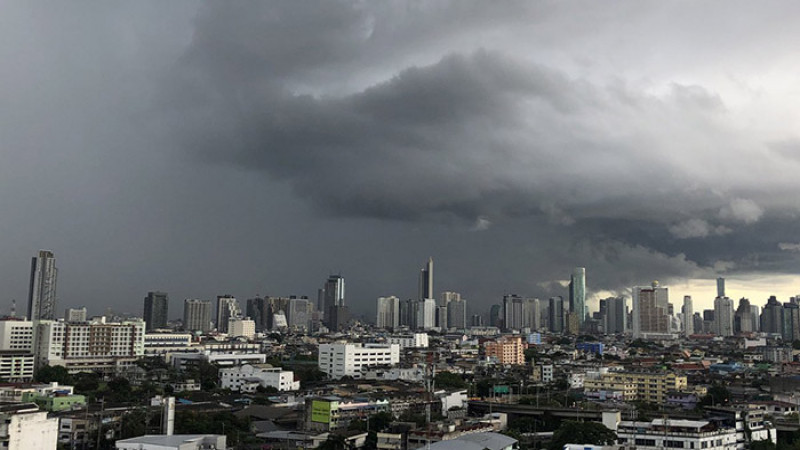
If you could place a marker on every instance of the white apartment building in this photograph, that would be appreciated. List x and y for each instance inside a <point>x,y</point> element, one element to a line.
<point>160,344</point>
<point>95,346</point>
<point>339,360</point>
<point>16,350</point>
<point>238,326</point>
<point>24,427</point>
<point>689,434</point>
<point>416,340</point>
<point>247,378</point>
<point>184,360</point>
<point>174,442</point>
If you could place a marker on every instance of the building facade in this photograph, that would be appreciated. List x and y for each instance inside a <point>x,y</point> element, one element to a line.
<point>340,360</point>
<point>156,310</point>
<point>42,290</point>
<point>196,315</point>
<point>506,350</point>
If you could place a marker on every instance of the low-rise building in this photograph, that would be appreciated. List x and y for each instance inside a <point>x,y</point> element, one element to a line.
<point>24,427</point>
<point>414,340</point>
<point>506,350</point>
<point>247,378</point>
<point>642,386</point>
<point>184,360</point>
<point>340,360</point>
<point>670,433</point>
<point>174,442</point>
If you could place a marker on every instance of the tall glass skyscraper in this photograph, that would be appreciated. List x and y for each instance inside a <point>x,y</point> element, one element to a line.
<point>426,281</point>
<point>42,292</point>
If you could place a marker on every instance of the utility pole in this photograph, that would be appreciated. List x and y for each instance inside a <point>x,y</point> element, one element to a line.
<point>100,421</point>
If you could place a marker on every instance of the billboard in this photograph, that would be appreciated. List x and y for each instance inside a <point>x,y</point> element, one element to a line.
<point>320,411</point>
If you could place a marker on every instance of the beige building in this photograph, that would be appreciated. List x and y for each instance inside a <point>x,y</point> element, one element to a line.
<point>646,387</point>
<point>506,350</point>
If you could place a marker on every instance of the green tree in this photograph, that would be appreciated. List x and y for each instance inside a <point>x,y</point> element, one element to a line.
<point>762,445</point>
<point>591,433</point>
<point>717,395</point>
<point>49,374</point>
<point>449,380</point>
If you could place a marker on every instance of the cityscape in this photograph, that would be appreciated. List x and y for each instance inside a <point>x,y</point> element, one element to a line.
<point>399,225</point>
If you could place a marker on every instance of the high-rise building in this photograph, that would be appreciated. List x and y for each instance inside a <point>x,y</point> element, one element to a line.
<point>496,316</point>
<point>447,296</point>
<point>577,294</point>
<point>257,308</point>
<point>743,318</point>
<point>755,315</point>
<point>227,309</point>
<point>388,316</point>
<point>334,297</point>
<point>299,317</point>
<point>615,315</point>
<point>556,322</point>
<point>75,315</point>
<point>196,315</point>
<point>156,306</point>
<point>476,320</point>
<point>772,317</point>
<point>242,327</point>
<point>721,287</point>
<point>697,320</point>
<point>650,311</point>
<point>426,314</point>
<point>506,350</point>
<point>426,281</point>
<point>456,310</point>
<point>723,316</point>
<point>42,291</point>
<point>688,315</point>
<point>791,322</point>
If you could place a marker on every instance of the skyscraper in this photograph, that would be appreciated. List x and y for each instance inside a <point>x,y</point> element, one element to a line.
<point>720,287</point>
<point>457,313</point>
<point>650,311</point>
<point>577,293</point>
<point>227,308</point>
<point>42,292</point>
<point>388,316</point>
<point>616,315</point>
<point>556,320</point>
<point>772,317</point>
<point>426,313</point>
<point>723,316</point>
<point>156,306</point>
<point>299,314</point>
<point>196,315</point>
<point>336,314</point>
<point>426,280</point>
<point>688,315</point>
<point>743,318</point>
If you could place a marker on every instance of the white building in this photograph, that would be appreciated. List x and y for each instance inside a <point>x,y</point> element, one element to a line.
<point>174,442</point>
<point>671,433</point>
<point>339,360</point>
<point>426,314</point>
<point>24,427</point>
<point>184,360</point>
<point>95,346</point>
<point>388,316</point>
<point>723,316</point>
<point>159,344</point>
<point>415,340</point>
<point>75,314</point>
<point>238,326</point>
<point>247,377</point>
<point>16,350</point>
<point>687,316</point>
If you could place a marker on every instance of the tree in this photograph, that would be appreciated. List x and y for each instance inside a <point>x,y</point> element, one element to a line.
<point>762,445</point>
<point>717,395</point>
<point>49,374</point>
<point>592,433</point>
<point>449,380</point>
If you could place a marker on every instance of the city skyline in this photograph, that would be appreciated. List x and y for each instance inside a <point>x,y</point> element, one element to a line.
<point>512,144</point>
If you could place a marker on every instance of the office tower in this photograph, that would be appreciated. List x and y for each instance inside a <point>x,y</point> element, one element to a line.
<point>743,318</point>
<point>334,297</point>
<point>441,318</point>
<point>496,316</point>
<point>577,293</point>
<point>321,299</point>
<point>791,322</point>
<point>388,317</point>
<point>156,306</point>
<point>447,296</point>
<point>242,327</point>
<point>257,309</point>
<point>772,317</point>
<point>721,287</point>
<point>476,320</point>
<point>708,321</point>
<point>533,319</point>
<point>457,314</point>
<point>650,311</point>
<point>723,316</point>
<point>426,281</point>
<point>299,318</point>
<point>755,315</point>
<point>512,312</point>
<point>697,321</point>
<point>227,308</point>
<point>687,310</point>
<point>42,290</point>
<point>615,315</point>
<point>75,315</point>
<point>556,314</point>
<point>408,313</point>
<point>196,315</point>
<point>426,313</point>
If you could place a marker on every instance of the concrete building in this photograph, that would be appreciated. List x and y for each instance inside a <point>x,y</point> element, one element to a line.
<point>339,360</point>
<point>506,350</point>
<point>388,316</point>
<point>24,427</point>
<point>75,314</point>
<point>16,350</point>
<point>334,302</point>
<point>42,290</point>
<point>227,309</point>
<point>160,344</point>
<point>196,315</point>
<point>174,442</point>
<point>247,378</point>
<point>672,433</point>
<point>241,326</point>
<point>723,316</point>
<point>99,346</point>
<point>687,310</point>
<point>299,314</point>
<point>426,314</point>
<point>616,315</point>
<point>743,318</point>
<point>413,340</point>
<point>183,361</point>
<point>641,386</point>
<point>556,314</point>
<point>577,294</point>
<point>650,311</point>
<point>156,310</point>
<point>426,281</point>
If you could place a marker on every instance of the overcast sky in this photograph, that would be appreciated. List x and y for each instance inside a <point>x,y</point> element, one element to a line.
<point>254,148</point>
